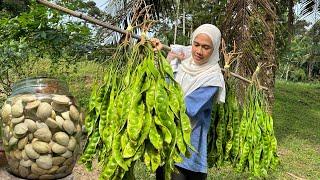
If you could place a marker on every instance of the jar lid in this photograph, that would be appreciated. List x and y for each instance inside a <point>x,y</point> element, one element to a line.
<point>41,84</point>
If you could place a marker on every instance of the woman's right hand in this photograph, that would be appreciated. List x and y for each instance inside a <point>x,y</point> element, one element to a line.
<point>156,44</point>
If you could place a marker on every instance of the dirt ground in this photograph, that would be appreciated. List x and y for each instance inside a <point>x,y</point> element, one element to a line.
<point>80,172</point>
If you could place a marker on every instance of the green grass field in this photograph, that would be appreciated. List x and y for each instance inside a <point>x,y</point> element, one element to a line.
<point>297,122</point>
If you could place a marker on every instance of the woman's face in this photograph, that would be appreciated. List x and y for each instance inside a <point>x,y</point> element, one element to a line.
<point>202,48</point>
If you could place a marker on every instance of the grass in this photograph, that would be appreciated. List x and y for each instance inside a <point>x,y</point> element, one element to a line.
<point>79,76</point>
<point>297,122</point>
<point>297,111</point>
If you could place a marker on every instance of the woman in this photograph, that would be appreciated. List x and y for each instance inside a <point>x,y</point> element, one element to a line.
<point>202,81</point>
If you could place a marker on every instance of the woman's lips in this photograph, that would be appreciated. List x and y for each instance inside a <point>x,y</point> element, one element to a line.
<point>197,58</point>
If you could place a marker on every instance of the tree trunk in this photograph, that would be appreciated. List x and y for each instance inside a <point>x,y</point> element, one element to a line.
<point>287,71</point>
<point>290,20</point>
<point>176,24</point>
<point>183,21</point>
<point>268,73</point>
<point>310,69</point>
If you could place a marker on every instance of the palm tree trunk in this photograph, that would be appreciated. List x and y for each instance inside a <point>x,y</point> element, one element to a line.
<point>268,74</point>
<point>252,25</point>
<point>176,24</point>
<point>290,20</point>
<point>183,21</point>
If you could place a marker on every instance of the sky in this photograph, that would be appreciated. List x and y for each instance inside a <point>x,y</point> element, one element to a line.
<point>311,18</point>
<point>100,3</point>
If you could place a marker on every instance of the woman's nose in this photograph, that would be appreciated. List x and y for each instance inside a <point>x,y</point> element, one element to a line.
<point>199,50</point>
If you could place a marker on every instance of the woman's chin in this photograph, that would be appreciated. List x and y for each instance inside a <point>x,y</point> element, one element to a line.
<point>198,62</point>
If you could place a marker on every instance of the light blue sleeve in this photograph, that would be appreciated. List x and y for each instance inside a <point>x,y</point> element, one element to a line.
<point>199,99</point>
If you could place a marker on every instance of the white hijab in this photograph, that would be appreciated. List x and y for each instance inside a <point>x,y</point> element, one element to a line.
<point>192,76</point>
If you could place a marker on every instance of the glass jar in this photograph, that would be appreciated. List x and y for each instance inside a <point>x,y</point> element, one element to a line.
<point>41,129</point>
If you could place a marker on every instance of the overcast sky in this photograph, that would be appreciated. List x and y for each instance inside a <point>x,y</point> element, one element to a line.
<point>100,3</point>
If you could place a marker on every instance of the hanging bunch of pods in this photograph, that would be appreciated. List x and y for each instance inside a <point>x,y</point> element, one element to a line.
<point>138,113</point>
<point>243,135</point>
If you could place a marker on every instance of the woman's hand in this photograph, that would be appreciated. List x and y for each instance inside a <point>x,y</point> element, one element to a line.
<point>173,55</point>
<point>156,44</point>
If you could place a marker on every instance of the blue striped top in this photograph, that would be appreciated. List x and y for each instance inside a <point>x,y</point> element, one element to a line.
<point>199,105</point>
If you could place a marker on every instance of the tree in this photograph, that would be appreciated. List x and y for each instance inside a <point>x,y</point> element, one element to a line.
<point>290,19</point>
<point>14,6</point>
<point>314,34</point>
<point>251,24</point>
<point>301,61</point>
<point>36,33</point>
<point>190,15</point>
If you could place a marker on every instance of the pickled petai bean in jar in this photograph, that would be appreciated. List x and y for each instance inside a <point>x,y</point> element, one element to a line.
<point>41,129</point>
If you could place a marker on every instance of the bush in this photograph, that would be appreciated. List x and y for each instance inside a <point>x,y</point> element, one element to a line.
<point>298,74</point>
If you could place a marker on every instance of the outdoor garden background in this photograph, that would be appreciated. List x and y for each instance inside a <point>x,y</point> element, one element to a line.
<point>282,34</point>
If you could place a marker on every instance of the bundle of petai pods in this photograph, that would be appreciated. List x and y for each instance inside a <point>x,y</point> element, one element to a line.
<point>243,135</point>
<point>138,113</point>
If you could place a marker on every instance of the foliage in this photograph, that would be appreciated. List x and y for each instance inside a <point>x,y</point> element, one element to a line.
<point>282,29</point>
<point>29,35</point>
<point>298,74</point>
<point>314,34</point>
<point>41,32</point>
<point>14,7</point>
<point>302,59</point>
